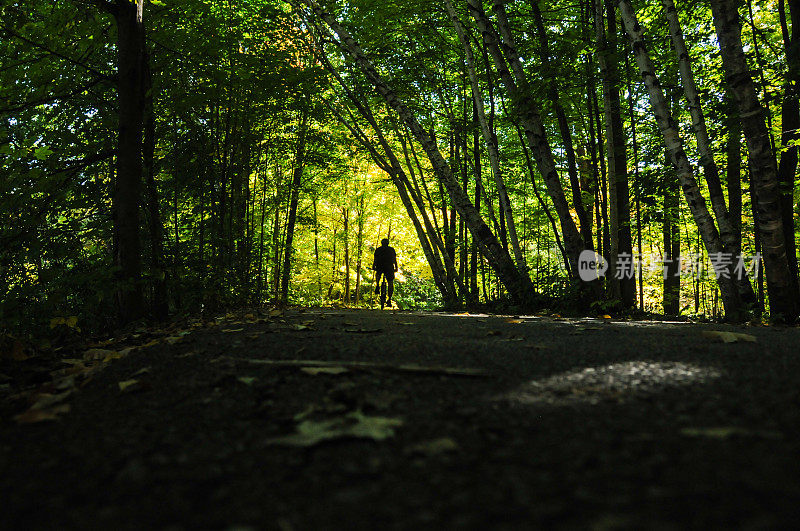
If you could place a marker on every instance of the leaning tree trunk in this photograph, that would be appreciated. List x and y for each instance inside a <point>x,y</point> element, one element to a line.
<point>782,290</point>
<point>674,145</point>
<point>584,218</point>
<point>710,170</point>
<point>127,192</point>
<point>519,285</point>
<point>491,145</point>
<point>295,197</point>
<point>530,118</point>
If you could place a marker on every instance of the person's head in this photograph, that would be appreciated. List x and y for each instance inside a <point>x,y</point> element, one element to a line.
<point>385,242</point>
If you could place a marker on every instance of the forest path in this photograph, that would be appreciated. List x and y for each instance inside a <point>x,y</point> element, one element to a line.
<point>362,418</point>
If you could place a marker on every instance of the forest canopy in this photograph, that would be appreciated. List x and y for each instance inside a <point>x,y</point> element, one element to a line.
<point>170,156</point>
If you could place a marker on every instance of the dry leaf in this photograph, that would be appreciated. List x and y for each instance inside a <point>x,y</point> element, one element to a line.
<point>127,384</point>
<point>362,330</point>
<point>729,337</point>
<point>434,447</point>
<point>353,425</point>
<point>324,370</point>
<point>45,400</point>
<point>725,432</point>
<point>97,353</point>
<point>247,380</point>
<point>514,321</point>
<point>39,415</point>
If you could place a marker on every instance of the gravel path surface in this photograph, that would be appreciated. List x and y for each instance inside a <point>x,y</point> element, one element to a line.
<point>343,419</point>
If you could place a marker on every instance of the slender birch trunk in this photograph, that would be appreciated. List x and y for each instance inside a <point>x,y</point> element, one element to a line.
<point>782,290</point>
<point>530,117</point>
<point>584,219</point>
<point>674,146</point>
<point>710,170</point>
<point>491,145</point>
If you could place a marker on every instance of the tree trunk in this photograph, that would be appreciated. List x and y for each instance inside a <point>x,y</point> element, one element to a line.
<point>674,146</point>
<point>127,193</point>
<point>623,289</point>
<point>790,130</point>
<point>780,284</point>
<point>549,72</point>
<point>297,176</point>
<point>530,117</point>
<point>710,169</point>
<point>156,226</point>
<point>672,249</point>
<point>491,145</point>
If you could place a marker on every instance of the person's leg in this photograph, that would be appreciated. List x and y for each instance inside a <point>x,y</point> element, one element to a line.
<point>390,279</point>
<point>378,282</point>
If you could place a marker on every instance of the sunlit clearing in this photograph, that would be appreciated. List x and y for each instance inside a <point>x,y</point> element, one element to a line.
<point>611,383</point>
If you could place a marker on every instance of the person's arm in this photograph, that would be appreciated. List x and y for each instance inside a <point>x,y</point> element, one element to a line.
<point>394,259</point>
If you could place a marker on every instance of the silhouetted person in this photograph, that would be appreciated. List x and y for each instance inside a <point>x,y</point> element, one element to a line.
<point>385,263</point>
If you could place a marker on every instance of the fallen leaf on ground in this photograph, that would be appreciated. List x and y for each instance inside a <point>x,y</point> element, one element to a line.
<point>299,327</point>
<point>232,330</point>
<point>247,380</point>
<point>362,330</point>
<point>605,317</point>
<point>725,432</point>
<point>324,370</point>
<point>98,353</point>
<point>514,321</point>
<point>128,384</point>
<point>354,425</point>
<point>39,415</point>
<point>141,371</point>
<point>729,337</point>
<point>45,400</point>
<point>579,329</point>
<point>173,339</point>
<point>494,333</point>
